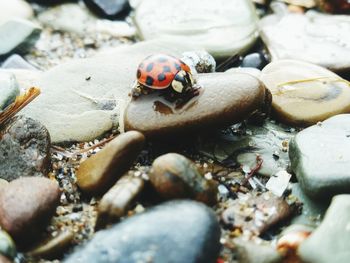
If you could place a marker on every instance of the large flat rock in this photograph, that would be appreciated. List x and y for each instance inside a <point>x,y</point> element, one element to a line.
<point>314,37</point>
<point>223,28</point>
<point>81,99</point>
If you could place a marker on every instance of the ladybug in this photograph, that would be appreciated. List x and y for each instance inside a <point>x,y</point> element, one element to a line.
<point>167,74</point>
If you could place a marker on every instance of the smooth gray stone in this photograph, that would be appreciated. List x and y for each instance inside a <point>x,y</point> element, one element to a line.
<point>15,61</point>
<point>18,35</point>
<point>320,157</point>
<point>330,242</point>
<point>223,28</point>
<point>174,232</point>
<point>14,8</point>
<point>9,89</point>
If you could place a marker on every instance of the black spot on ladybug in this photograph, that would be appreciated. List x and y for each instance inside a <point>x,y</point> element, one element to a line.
<point>177,66</point>
<point>149,67</point>
<point>161,77</point>
<point>149,81</point>
<point>162,60</point>
<point>138,73</point>
<point>166,69</point>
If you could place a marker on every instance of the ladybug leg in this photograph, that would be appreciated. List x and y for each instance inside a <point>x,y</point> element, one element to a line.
<point>136,90</point>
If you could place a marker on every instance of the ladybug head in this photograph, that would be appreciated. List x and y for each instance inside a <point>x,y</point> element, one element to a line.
<point>182,82</point>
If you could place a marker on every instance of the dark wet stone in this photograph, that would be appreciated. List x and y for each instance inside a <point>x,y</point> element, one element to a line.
<point>98,173</point>
<point>254,60</point>
<point>330,242</point>
<point>320,157</point>
<point>26,206</point>
<point>174,176</point>
<point>109,8</point>
<point>256,213</point>
<point>176,232</point>
<point>225,98</point>
<point>24,149</point>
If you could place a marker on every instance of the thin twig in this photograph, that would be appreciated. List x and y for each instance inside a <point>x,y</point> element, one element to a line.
<point>259,162</point>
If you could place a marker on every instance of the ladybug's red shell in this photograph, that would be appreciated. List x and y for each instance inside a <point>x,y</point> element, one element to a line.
<point>158,71</point>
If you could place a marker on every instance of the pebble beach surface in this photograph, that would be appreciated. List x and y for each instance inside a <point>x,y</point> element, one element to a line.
<point>253,167</point>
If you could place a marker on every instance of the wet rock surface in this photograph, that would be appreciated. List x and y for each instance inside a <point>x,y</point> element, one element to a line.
<point>102,170</point>
<point>26,206</point>
<point>328,242</point>
<point>239,96</point>
<point>178,231</point>
<point>319,157</point>
<point>7,246</point>
<point>174,176</point>
<point>242,143</point>
<point>304,94</point>
<point>24,149</point>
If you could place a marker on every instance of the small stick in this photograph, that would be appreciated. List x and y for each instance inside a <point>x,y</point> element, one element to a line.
<point>259,162</point>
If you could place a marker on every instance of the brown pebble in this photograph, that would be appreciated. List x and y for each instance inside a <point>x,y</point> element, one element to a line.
<point>26,206</point>
<point>53,247</point>
<point>117,200</point>
<point>225,98</point>
<point>256,212</point>
<point>98,173</point>
<point>4,259</point>
<point>174,176</point>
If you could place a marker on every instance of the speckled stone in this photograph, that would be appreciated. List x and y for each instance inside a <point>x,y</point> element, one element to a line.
<point>24,149</point>
<point>177,232</point>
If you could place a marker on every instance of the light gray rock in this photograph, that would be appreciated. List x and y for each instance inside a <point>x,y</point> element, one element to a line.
<point>220,27</point>
<point>174,232</point>
<point>15,61</point>
<point>330,242</point>
<point>83,98</point>
<point>14,8</point>
<point>9,89</point>
<point>77,19</point>
<point>314,37</point>
<point>320,157</point>
<point>17,35</point>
